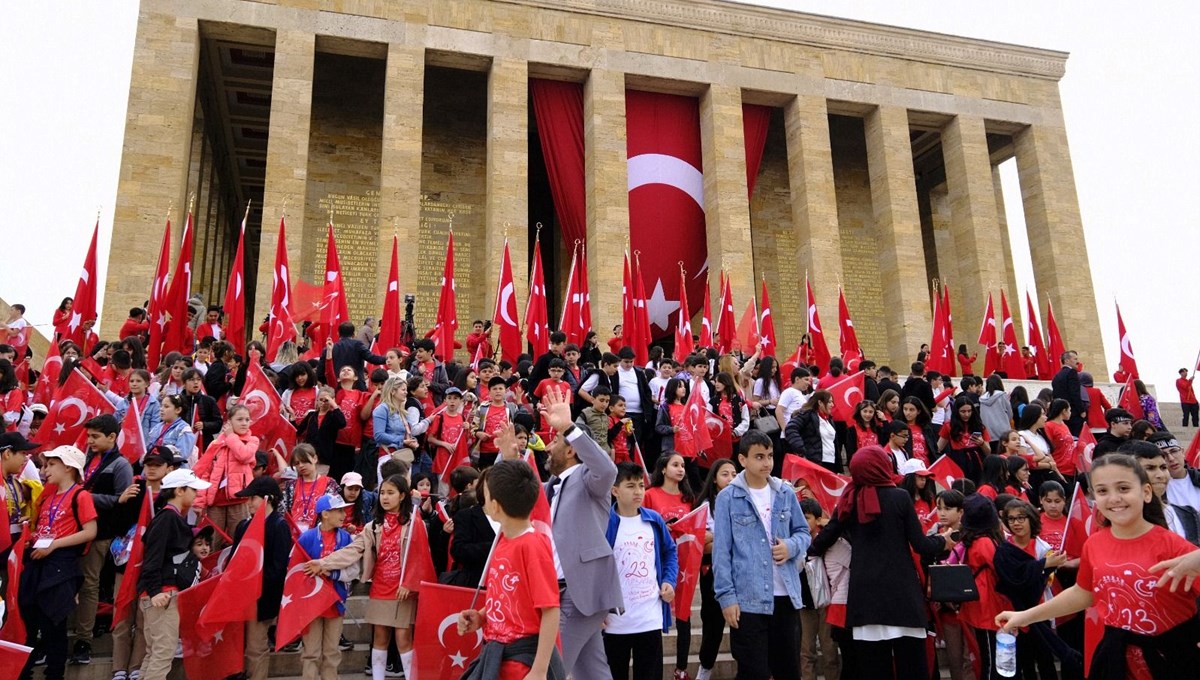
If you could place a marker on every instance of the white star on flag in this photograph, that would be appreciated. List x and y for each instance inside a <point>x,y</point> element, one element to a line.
<point>457,659</point>
<point>287,599</point>
<point>659,307</point>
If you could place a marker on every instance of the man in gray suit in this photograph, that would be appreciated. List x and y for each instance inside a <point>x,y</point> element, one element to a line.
<point>580,494</point>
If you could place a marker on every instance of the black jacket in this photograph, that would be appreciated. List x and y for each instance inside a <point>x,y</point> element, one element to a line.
<point>106,484</point>
<point>473,536</point>
<point>889,384</point>
<point>1107,443</point>
<point>277,547</point>
<point>884,588</point>
<point>167,548</point>
<point>209,416</point>
<point>323,435</point>
<point>1065,385</point>
<point>803,434</point>
<point>921,389</point>
<point>353,353</point>
<point>871,389</point>
<point>217,382</point>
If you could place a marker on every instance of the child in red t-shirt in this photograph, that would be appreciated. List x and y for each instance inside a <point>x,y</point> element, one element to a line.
<point>620,430</point>
<point>1150,631</point>
<point>669,494</point>
<point>65,525</point>
<point>522,621</point>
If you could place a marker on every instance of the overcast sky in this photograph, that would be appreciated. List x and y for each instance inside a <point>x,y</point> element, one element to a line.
<point>1129,96</point>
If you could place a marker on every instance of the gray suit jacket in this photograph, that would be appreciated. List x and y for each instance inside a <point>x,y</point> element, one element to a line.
<point>580,522</point>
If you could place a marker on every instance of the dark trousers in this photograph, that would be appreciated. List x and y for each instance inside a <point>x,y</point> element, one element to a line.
<point>1192,410</point>
<point>1034,660</point>
<point>986,639</point>
<point>683,643</point>
<point>646,649</point>
<point>844,638</point>
<point>712,622</point>
<point>1071,632</point>
<point>764,645</point>
<point>48,638</point>
<point>900,658</point>
<point>342,461</point>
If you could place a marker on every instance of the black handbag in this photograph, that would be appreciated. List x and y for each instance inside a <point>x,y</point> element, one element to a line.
<point>952,583</point>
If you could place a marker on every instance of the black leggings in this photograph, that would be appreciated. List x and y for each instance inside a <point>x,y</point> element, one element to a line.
<point>845,642</point>
<point>986,639</point>
<point>646,650</point>
<point>712,622</point>
<point>901,658</point>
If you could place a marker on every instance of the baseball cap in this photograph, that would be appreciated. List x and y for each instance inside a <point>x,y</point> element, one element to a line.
<point>328,502</point>
<point>39,409</point>
<point>16,442</point>
<point>352,479</point>
<point>915,466</point>
<point>260,459</point>
<point>260,486</point>
<point>453,390</point>
<point>165,454</point>
<point>178,479</point>
<point>69,455</point>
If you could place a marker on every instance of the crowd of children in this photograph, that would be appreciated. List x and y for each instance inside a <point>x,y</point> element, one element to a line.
<point>516,478</point>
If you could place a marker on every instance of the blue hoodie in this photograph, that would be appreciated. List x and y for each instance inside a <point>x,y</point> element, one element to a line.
<point>311,542</point>
<point>666,559</point>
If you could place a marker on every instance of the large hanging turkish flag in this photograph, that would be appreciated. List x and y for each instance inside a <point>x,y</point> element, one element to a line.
<point>666,199</point>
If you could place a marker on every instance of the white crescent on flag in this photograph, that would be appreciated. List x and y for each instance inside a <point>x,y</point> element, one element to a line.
<point>657,168</point>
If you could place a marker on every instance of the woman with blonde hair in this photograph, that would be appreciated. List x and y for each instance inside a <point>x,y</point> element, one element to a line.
<point>392,431</point>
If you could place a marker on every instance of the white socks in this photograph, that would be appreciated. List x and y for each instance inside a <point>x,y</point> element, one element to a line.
<point>406,663</point>
<point>378,663</point>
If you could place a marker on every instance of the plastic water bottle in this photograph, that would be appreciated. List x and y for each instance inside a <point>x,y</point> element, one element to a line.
<point>1006,654</point>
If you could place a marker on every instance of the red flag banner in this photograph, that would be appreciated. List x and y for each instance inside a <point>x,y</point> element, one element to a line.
<point>177,296</point>
<point>747,337</point>
<point>1037,346</point>
<point>48,380</point>
<point>12,659</point>
<point>847,337</point>
<point>640,341</point>
<point>235,596</point>
<point>209,652</point>
<point>722,439</point>
<point>83,308</point>
<point>666,187</point>
<point>628,303</point>
<point>235,295</point>
<point>1012,362</point>
<point>157,308</point>
<point>304,599</point>
<point>727,329</point>
<point>440,652</point>
<point>706,321</point>
<point>447,314</point>
<point>847,392</point>
<point>637,458</point>
<point>816,334</point>
<point>504,316</point>
<point>688,532</point>
<point>987,338</point>
<point>684,346</point>
<point>826,486</point>
<point>1130,401</point>
<point>14,625</point>
<point>767,324</point>
<point>131,440</point>
<point>127,594</point>
<point>951,363</point>
<point>281,328</point>
<point>945,471</point>
<point>571,321</point>
<point>334,309</point>
<point>1083,450</point>
<point>537,321</point>
<point>1056,346</point>
<point>389,323</point>
<point>693,437</point>
<point>75,401</point>
<point>259,396</point>
<point>417,566</point>
<point>1127,363</point>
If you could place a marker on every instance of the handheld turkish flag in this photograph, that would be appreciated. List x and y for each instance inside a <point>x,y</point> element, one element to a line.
<point>767,325</point>
<point>1192,455</point>
<point>727,329</point>
<point>791,362</point>
<point>1011,360</point>
<point>1130,401</point>
<point>127,593</point>
<point>304,599</point>
<point>259,396</point>
<point>540,515</point>
<point>48,378</point>
<point>628,304</point>
<point>936,349</point>
<point>826,486</point>
<point>1054,339</point>
<point>537,323</point>
<point>1083,450</point>
<point>83,308</point>
<point>157,308</point>
<point>945,472</point>
<point>334,309</point>
<point>1128,363</point>
<point>131,440</point>
<point>640,342</point>
<point>847,337</point>
<point>504,316</point>
<point>281,328</point>
<point>444,463</point>
<point>571,320</point>
<point>417,565</point>
<point>440,653</point>
<point>14,626</point>
<point>987,338</point>
<point>177,295</point>
<point>692,437</point>
<point>390,321</point>
<point>235,294</point>
<point>688,532</point>
<point>12,659</point>
<point>722,439</point>
<point>706,321</point>
<point>684,346</point>
<point>816,335</point>
<point>447,314</point>
<point>210,652</point>
<point>75,402</point>
<point>747,338</point>
<point>235,597</point>
<point>950,367</point>
<point>585,292</point>
<point>847,392</point>
<point>666,199</point>
<point>1081,516</point>
<point>637,458</point>
<point>1036,345</point>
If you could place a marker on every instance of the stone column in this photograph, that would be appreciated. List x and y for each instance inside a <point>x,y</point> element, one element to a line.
<point>607,177</point>
<point>1056,239</point>
<point>814,205</point>
<point>726,202</point>
<point>155,160</point>
<point>901,260</point>
<point>973,221</point>
<point>287,157</point>
<point>400,165</point>
<point>1010,272</point>
<point>507,180</point>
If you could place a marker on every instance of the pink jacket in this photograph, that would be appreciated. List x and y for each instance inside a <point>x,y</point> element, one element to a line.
<point>229,459</point>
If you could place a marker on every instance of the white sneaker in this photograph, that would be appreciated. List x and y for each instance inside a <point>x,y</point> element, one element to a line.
<point>704,673</point>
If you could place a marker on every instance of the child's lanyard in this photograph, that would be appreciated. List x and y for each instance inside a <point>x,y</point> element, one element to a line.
<point>55,504</point>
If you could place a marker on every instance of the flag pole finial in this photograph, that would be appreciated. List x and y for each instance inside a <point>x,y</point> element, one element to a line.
<point>170,209</point>
<point>283,210</point>
<point>506,225</point>
<point>450,219</point>
<point>682,271</point>
<point>331,217</point>
<point>395,226</point>
<point>247,215</point>
<point>191,201</point>
<point>537,236</point>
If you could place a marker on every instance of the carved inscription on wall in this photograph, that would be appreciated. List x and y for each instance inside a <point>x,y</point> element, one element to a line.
<point>436,218</point>
<point>356,229</point>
